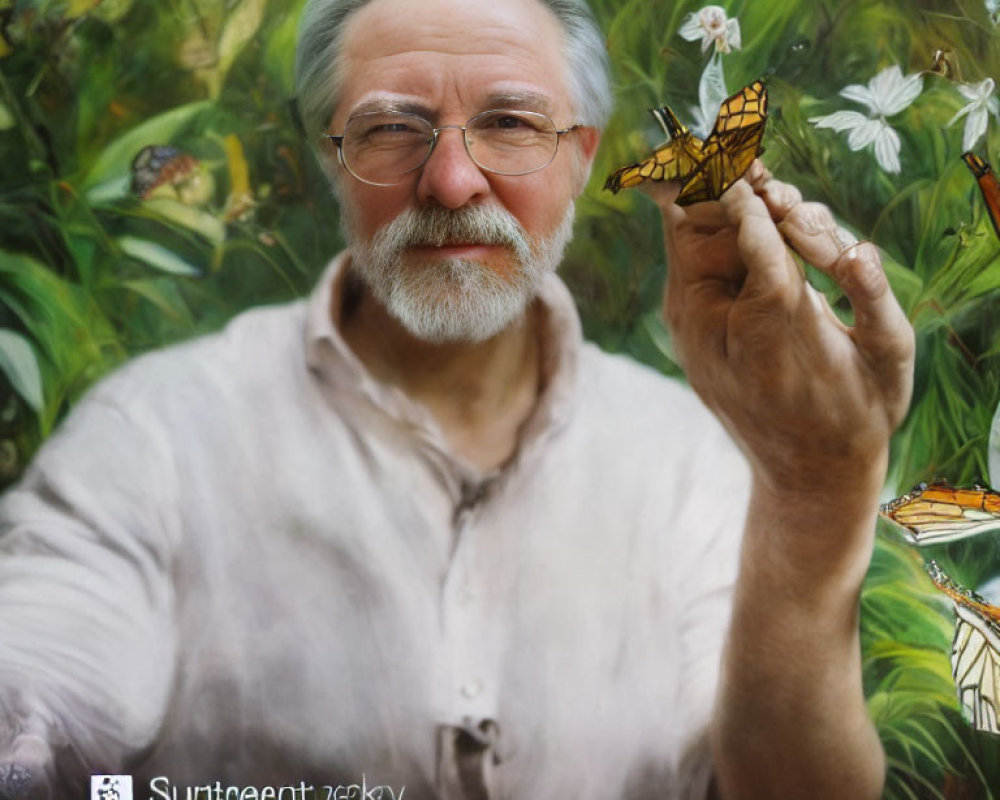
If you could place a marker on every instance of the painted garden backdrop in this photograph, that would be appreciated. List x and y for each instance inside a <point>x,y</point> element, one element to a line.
<point>153,183</point>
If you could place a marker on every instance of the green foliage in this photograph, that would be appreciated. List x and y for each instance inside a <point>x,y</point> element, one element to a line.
<point>942,258</point>
<point>91,274</point>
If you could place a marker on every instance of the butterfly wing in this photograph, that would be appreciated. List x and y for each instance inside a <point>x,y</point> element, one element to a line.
<point>975,652</point>
<point>731,147</point>
<point>989,185</point>
<point>937,514</point>
<point>975,666</point>
<point>672,161</point>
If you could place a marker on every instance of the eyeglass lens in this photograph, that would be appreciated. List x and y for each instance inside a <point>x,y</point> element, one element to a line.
<point>382,147</point>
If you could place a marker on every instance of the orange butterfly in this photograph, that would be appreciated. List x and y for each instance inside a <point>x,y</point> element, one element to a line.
<point>988,185</point>
<point>975,652</point>
<point>938,513</point>
<point>706,167</point>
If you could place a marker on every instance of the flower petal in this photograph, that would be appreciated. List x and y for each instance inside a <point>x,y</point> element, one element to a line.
<point>975,127</point>
<point>691,30</point>
<point>860,94</point>
<point>886,81</point>
<point>863,135</point>
<point>977,92</point>
<point>840,120</point>
<point>959,114</point>
<point>700,125</point>
<point>901,95</point>
<point>887,149</point>
<point>711,90</point>
<point>733,33</point>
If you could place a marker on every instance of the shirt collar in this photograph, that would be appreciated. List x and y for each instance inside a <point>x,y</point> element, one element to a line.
<point>331,359</point>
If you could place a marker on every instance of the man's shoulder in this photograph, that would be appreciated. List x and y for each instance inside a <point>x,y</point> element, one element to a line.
<point>626,404</point>
<point>619,380</point>
<point>252,347</point>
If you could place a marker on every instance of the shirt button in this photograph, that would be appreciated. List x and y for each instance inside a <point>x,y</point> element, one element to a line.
<point>471,689</point>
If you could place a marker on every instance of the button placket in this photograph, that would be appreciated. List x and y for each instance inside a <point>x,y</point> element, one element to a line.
<point>469,636</point>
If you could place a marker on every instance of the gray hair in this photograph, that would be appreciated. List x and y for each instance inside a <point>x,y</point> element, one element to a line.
<point>321,33</point>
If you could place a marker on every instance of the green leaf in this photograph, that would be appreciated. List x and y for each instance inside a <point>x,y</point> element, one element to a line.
<point>241,25</point>
<point>194,219</point>
<point>7,119</point>
<point>19,362</point>
<point>906,284</point>
<point>280,49</point>
<point>109,191</point>
<point>115,161</point>
<point>156,256</point>
<point>163,296</point>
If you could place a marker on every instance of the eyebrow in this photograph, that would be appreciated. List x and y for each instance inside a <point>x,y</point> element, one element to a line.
<point>390,103</point>
<point>519,100</point>
<point>522,100</point>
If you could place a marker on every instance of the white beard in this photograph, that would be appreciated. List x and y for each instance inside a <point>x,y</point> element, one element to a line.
<point>454,299</point>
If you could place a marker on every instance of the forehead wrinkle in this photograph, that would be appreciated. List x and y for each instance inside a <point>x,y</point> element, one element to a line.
<point>408,52</point>
<point>429,94</point>
<point>501,36</point>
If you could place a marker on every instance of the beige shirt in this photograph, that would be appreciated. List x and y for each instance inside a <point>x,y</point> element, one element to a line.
<point>244,560</point>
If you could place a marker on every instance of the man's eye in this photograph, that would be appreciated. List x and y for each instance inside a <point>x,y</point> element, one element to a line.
<point>394,127</point>
<point>391,134</point>
<point>509,122</point>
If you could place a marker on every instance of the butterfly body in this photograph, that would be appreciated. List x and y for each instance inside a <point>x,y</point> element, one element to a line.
<point>989,185</point>
<point>706,168</point>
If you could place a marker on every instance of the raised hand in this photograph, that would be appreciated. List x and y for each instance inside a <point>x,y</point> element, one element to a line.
<point>812,401</point>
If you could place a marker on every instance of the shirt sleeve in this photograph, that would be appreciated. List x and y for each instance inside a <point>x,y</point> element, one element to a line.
<point>87,636</point>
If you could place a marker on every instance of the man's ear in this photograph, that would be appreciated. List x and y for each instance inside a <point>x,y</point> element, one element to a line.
<point>587,140</point>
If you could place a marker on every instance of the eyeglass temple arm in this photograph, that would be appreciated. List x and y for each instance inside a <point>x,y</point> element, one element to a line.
<point>339,141</point>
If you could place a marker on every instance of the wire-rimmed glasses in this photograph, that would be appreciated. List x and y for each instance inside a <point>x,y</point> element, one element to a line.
<point>382,147</point>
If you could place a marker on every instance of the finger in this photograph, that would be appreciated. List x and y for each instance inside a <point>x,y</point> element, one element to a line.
<point>770,268</point>
<point>780,197</point>
<point>757,174</point>
<point>663,193</point>
<point>879,322</point>
<point>814,234</point>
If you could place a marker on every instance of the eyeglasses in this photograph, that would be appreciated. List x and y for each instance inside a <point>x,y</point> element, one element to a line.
<point>383,147</point>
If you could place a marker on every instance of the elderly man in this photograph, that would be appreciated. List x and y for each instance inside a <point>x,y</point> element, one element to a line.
<point>414,533</point>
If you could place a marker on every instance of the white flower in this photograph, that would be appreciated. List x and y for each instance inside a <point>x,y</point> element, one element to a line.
<point>993,7</point>
<point>711,25</point>
<point>711,93</point>
<point>886,95</point>
<point>981,104</point>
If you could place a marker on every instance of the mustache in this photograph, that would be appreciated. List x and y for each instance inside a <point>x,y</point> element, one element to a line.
<point>439,227</point>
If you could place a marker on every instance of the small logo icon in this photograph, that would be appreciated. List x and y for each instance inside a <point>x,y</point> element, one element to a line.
<point>110,787</point>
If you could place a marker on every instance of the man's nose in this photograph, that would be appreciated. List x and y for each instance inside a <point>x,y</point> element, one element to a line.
<point>450,177</point>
